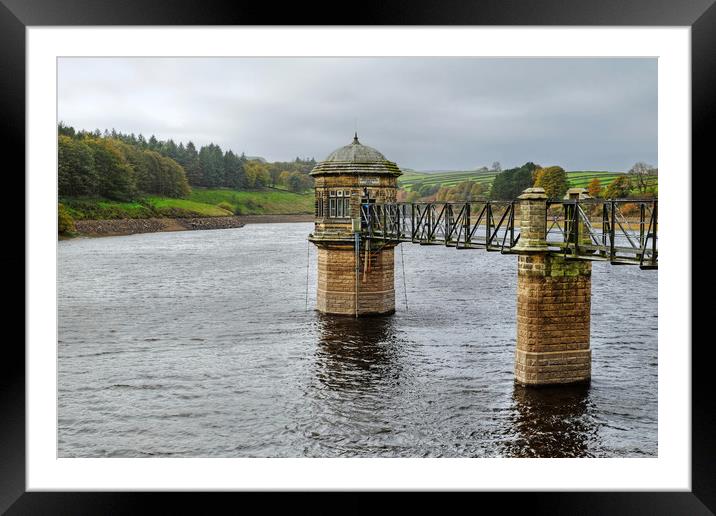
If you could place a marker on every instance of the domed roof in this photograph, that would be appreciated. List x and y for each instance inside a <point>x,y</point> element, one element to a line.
<point>356,152</point>
<point>356,158</point>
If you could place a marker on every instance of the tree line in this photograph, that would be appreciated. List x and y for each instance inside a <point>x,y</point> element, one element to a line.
<point>110,168</point>
<point>640,181</point>
<point>121,166</point>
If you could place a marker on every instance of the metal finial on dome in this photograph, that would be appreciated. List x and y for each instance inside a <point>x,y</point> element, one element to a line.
<point>355,138</point>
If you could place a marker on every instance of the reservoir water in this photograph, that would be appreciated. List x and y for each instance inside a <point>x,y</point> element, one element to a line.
<point>200,344</point>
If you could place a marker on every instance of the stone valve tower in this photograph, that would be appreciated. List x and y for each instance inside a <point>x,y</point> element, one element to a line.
<point>355,276</point>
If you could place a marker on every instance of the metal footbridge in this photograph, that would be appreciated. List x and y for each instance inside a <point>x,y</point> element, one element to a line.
<point>618,231</point>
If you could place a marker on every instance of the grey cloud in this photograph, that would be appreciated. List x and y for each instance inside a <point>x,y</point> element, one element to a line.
<point>423,113</point>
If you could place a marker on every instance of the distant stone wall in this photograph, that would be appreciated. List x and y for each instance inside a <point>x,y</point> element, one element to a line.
<point>337,282</point>
<point>212,223</point>
<point>553,320</point>
<point>132,226</point>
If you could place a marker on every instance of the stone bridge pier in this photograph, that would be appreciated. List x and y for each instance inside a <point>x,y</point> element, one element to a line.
<point>553,304</point>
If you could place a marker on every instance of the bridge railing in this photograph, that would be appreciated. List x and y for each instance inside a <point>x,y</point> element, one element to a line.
<point>622,231</point>
<point>482,224</point>
<point>619,231</point>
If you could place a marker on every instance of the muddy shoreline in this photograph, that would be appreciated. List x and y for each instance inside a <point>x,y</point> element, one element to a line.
<point>118,227</point>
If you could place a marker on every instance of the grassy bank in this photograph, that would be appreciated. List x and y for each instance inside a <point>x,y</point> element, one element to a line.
<point>203,202</point>
<point>262,202</point>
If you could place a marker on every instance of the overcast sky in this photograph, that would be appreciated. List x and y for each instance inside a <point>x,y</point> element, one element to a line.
<point>423,113</point>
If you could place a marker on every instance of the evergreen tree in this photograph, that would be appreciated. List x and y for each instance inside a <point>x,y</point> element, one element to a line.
<point>191,165</point>
<point>65,130</point>
<point>170,149</point>
<point>234,174</point>
<point>510,183</point>
<point>211,161</point>
<point>295,182</point>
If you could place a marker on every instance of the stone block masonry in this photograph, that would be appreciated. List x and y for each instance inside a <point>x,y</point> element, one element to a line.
<point>349,177</point>
<point>553,320</point>
<point>337,282</point>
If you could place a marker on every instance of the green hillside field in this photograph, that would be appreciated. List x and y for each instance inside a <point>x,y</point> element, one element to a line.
<point>577,178</point>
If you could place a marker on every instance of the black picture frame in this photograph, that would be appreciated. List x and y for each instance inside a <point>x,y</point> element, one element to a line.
<point>700,15</point>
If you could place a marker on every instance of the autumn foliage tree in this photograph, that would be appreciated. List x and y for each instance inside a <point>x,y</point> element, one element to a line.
<point>463,191</point>
<point>594,188</point>
<point>257,174</point>
<point>65,223</point>
<point>619,188</point>
<point>553,180</point>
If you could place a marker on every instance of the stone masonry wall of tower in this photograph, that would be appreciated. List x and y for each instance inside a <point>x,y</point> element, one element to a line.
<point>342,181</point>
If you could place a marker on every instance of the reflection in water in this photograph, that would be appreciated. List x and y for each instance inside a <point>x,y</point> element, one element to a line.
<point>350,407</point>
<point>552,422</point>
<point>356,354</point>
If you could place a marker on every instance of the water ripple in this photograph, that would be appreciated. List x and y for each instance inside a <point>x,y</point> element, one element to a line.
<point>198,344</point>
